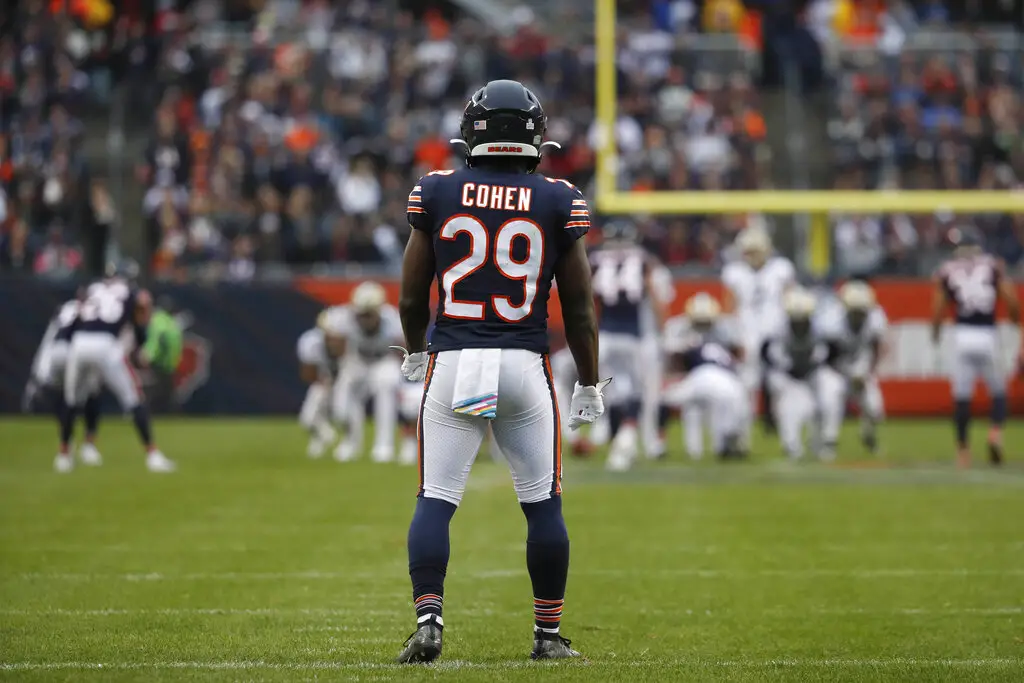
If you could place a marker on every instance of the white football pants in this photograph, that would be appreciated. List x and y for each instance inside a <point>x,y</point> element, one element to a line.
<point>358,381</point>
<point>713,392</point>
<point>835,389</point>
<point>525,428</point>
<point>975,352</point>
<point>795,404</point>
<point>96,359</point>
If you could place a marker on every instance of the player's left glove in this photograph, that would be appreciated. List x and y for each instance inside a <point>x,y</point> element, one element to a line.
<point>414,365</point>
<point>587,404</point>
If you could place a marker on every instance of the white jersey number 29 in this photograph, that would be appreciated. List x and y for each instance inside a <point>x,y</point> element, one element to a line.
<point>527,271</point>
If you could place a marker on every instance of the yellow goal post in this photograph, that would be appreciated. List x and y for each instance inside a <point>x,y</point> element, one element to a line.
<point>609,199</point>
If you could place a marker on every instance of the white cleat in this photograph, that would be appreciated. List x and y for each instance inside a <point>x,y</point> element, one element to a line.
<point>90,455</point>
<point>316,448</point>
<point>382,456</point>
<point>346,451</point>
<point>63,463</point>
<point>159,463</point>
<point>618,462</point>
<point>409,453</point>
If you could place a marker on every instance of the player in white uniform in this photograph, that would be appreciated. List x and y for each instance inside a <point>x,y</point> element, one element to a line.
<point>702,323</point>
<point>369,369</point>
<point>973,283</point>
<point>754,287</point>
<point>856,328</point>
<point>794,358</point>
<point>652,324</point>
<point>319,351</point>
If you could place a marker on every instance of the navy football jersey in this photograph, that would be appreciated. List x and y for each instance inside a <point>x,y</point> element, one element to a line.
<point>972,286</point>
<point>707,353</point>
<point>109,306</point>
<point>620,285</point>
<point>798,356</point>
<point>497,237</point>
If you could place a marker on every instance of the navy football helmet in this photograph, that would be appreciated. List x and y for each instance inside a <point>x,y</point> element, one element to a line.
<point>504,119</point>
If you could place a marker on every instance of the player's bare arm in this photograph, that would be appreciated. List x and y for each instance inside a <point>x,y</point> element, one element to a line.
<point>414,300</point>
<point>939,304</point>
<point>575,292</point>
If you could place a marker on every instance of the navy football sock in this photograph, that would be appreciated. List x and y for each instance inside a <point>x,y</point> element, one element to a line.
<point>664,414</point>
<point>429,549</point>
<point>998,410</point>
<point>547,559</point>
<point>66,415</point>
<point>962,417</point>
<point>141,418</point>
<point>91,413</point>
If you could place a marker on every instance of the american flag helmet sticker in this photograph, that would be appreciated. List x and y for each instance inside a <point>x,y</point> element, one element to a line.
<point>480,125</point>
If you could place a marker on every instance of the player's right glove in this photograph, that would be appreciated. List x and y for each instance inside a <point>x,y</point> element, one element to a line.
<point>414,365</point>
<point>587,404</point>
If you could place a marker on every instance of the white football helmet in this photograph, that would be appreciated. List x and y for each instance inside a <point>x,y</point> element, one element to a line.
<point>799,304</point>
<point>857,296</point>
<point>702,308</point>
<point>368,297</point>
<point>332,321</point>
<point>755,245</point>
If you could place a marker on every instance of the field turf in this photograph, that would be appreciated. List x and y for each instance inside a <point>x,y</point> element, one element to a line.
<point>253,563</point>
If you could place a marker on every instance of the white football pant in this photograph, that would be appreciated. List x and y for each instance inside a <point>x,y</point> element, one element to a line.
<point>52,363</point>
<point>835,389</point>
<point>97,359</point>
<point>358,381</point>
<point>713,392</point>
<point>795,405</point>
<point>526,429</point>
<point>975,353</point>
<point>652,371</point>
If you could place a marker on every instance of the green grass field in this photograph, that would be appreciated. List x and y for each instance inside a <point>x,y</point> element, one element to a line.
<point>253,563</point>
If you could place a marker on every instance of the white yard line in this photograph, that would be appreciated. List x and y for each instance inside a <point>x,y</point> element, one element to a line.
<point>258,665</point>
<point>317,575</point>
<point>483,611</point>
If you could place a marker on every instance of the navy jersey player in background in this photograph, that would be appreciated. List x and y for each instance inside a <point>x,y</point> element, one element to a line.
<point>973,282</point>
<point>622,271</point>
<point>495,235</point>
<point>97,357</point>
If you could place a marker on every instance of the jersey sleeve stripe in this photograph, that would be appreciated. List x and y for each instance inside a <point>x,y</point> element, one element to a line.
<point>578,224</point>
<point>577,212</point>
<point>579,202</point>
<point>415,209</point>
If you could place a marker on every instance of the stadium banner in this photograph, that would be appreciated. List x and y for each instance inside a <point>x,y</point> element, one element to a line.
<point>913,373</point>
<point>238,345</point>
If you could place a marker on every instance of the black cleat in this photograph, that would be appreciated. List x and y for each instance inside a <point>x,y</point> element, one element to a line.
<point>551,646</point>
<point>423,646</point>
<point>995,453</point>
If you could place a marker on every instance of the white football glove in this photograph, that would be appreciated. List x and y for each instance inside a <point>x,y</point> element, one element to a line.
<point>587,404</point>
<point>414,365</point>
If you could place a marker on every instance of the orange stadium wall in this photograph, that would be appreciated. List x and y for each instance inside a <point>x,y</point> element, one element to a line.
<point>912,383</point>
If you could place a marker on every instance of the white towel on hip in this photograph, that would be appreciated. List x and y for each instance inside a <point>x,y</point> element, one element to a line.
<point>476,382</point>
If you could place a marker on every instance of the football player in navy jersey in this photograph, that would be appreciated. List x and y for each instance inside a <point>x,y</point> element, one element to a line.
<point>622,272</point>
<point>972,283</point>
<point>97,357</point>
<point>495,235</point>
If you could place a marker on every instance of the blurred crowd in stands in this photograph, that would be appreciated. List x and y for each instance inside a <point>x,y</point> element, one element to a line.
<point>287,133</point>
